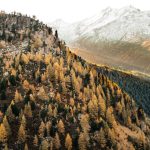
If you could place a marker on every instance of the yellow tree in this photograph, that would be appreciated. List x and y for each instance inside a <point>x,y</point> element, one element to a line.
<point>21,134</point>
<point>60,126</point>
<point>26,85</point>
<point>44,145</point>
<point>35,141</point>
<point>25,58</point>
<point>23,121</point>
<point>41,129</point>
<point>27,110</point>
<point>48,127</point>
<point>110,117</point>
<point>26,146</point>
<point>102,139</point>
<point>3,134</point>
<point>7,126</point>
<point>50,111</point>
<point>57,143</point>
<point>102,106</point>
<point>93,108</point>
<point>68,142</point>
<point>42,94</point>
<point>6,147</point>
<point>82,141</point>
<point>72,102</point>
<point>18,96</point>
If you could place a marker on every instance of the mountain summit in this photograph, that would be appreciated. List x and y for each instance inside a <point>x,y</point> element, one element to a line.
<point>110,24</point>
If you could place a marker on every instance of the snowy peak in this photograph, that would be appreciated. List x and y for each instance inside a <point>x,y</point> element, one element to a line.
<point>110,24</point>
<point>59,22</point>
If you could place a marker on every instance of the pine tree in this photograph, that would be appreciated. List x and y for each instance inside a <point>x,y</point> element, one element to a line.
<point>68,142</point>
<point>57,143</point>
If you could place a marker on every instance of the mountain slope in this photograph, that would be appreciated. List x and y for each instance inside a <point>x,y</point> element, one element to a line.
<point>53,99</point>
<point>115,37</point>
<point>127,23</point>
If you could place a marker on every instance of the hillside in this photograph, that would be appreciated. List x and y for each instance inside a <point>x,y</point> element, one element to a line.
<point>51,98</point>
<point>115,37</point>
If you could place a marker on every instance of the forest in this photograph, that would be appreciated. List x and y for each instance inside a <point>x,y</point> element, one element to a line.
<point>52,99</point>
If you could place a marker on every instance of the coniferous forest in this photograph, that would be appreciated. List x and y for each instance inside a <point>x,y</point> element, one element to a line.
<point>52,99</point>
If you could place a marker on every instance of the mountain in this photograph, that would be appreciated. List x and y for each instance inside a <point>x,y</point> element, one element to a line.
<point>127,23</point>
<point>51,98</point>
<point>115,37</point>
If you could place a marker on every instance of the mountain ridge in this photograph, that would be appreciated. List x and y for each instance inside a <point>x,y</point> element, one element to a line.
<point>109,18</point>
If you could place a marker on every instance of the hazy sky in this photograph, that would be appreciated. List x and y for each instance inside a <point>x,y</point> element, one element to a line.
<point>68,10</point>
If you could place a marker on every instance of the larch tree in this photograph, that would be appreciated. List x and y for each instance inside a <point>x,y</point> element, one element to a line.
<point>41,130</point>
<point>26,85</point>
<point>71,102</point>
<point>102,106</point>
<point>93,108</point>
<point>7,126</point>
<point>102,139</point>
<point>110,117</point>
<point>9,113</point>
<point>27,110</point>
<point>6,147</point>
<point>26,147</point>
<point>42,94</point>
<point>50,111</point>
<point>68,142</point>
<point>60,126</point>
<point>35,141</point>
<point>48,127</point>
<point>82,141</point>
<point>3,134</point>
<point>18,97</point>
<point>23,121</point>
<point>21,134</point>
<point>56,141</point>
<point>44,145</point>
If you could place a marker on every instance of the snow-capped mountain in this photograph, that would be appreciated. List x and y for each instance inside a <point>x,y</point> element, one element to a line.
<point>127,23</point>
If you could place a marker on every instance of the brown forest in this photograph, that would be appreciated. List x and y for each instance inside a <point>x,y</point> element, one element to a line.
<point>50,98</point>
